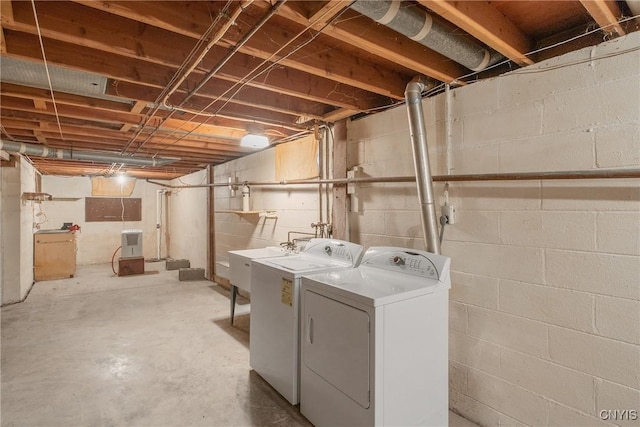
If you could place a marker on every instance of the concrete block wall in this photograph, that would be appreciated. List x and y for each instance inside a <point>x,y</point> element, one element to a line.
<point>16,235</point>
<point>97,241</point>
<point>296,208</point>
<point>188,220</point>
<point>545,299</point>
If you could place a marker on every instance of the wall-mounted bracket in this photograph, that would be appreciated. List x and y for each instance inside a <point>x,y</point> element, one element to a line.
<point>233,184</point>
<point>355,172</point>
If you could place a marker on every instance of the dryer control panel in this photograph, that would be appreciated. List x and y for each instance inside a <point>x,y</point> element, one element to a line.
<point>408,261</point>
<point>333,249</point>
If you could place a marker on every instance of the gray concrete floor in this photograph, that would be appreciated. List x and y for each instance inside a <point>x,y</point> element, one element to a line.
<point>99,350</point>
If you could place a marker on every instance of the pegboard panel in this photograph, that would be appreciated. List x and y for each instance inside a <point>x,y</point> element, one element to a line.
<point>97,209</point>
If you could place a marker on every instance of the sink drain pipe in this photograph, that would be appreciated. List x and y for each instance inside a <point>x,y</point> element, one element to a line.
<point>413,95</point>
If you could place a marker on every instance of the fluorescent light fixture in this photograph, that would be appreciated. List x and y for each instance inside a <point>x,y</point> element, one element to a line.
<point>254,141</point>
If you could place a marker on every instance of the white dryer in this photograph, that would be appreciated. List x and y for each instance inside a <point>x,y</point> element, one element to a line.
<point>374,341</point>
<point>275,282</point>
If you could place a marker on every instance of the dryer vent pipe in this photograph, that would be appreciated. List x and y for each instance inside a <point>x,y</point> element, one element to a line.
<point>413,95</point>
<point>430,31</point>
<point>93,156</point>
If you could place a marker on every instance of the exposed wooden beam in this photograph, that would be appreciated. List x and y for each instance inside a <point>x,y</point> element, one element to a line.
<point>360,32</point>
<point>294,101</point>
<point>322,60</point>
<point>103,108</point>
<point>606,14</point>
<point>187,18</point>
<point>6,12</point>
<point>150,44</point>
<point>40,137</point>
<point>3,43</point>
<point>20,123</point>
<point>338,114</point>
<point>327,11</point>
<point>40,104</point>
<point>119,118</point>
<point>318,60</point>
<point>277,109</point>
<point>51,126</point>
<point>137,107</point>
<point>93,28</point>
<point>487,24</point>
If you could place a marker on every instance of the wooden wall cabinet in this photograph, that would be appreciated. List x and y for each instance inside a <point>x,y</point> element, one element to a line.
<point>54,254</point>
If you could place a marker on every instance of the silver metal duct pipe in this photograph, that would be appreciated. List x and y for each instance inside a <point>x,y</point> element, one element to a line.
<point>413,95</point>
<point>430,31</point>
<point>95,156</point>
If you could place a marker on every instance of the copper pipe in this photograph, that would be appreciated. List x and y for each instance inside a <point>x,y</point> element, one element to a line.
<point>526,176</point>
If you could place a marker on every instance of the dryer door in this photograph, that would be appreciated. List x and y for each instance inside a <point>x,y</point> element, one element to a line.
<point>336,345</point>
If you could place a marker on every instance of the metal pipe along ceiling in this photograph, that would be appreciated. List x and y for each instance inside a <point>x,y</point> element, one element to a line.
<point>96,156</point>
<point>430,31</point>
<point>413,95</point>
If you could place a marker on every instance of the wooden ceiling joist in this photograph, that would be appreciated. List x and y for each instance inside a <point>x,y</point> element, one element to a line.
<point>487,24</point>
<point>606,14</point>
<point>357,31</point>
<point>81,113</point>
<point>312,61</point>
<point>324,62</point>
<point>136,71</point>
<point>137,108</point>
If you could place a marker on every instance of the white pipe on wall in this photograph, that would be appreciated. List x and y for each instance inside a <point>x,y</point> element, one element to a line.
<point>159,195</point>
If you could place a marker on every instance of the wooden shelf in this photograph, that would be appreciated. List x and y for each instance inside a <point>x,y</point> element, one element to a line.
<point>265,213</point>
<point>46,197</point>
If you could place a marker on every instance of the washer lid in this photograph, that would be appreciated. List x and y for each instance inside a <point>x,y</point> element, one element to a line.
<point>382,279</point>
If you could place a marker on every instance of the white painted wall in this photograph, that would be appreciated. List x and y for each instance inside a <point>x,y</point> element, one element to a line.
<point>97,241</point>
<point>27,212</point>
<point>545,301</point>
<point>296,208</point>
<point>188,220</point>
<point>16,235</point>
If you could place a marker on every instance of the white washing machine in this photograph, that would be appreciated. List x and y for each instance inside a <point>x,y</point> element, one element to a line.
<point>275,330</point>
<point>374,341</point>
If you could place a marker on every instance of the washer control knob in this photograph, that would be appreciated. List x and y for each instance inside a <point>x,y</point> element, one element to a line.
<point>398,261</point>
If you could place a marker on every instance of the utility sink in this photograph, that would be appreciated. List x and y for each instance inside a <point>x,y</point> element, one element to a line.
<point>240,264</point>
<point>240,269</point>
